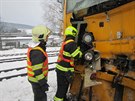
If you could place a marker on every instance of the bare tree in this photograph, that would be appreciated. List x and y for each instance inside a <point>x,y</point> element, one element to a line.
<point>53,14</point>
<point>2,26</point>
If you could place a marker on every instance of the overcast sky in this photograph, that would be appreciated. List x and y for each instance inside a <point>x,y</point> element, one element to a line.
<point>28,12</point>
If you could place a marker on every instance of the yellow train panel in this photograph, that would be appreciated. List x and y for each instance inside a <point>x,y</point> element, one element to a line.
<point>114,34</point>
<point>114,31</point>
<point>121,19</point>
<point>128,94</point>
<point>110,48</point>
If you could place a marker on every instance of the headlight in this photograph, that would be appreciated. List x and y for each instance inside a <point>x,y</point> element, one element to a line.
<point>88,38</point>
<point>88,56</point>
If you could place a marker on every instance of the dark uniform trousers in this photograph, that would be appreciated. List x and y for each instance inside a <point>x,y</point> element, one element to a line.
<point>39,94</point>
<point>62,85</point>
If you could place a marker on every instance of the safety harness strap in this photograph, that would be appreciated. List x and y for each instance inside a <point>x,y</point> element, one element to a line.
<point>62,52</point>
<point>65,69</point>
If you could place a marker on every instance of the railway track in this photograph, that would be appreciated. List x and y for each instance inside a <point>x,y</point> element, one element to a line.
<point>22,58</point>
<point>21,74</point>
<point>17,54</point>
<point>7,59</point>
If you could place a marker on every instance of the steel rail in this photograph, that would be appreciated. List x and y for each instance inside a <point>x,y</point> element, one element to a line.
<point>22,58</point>
<point>22,74</point>
<point>6,55</point>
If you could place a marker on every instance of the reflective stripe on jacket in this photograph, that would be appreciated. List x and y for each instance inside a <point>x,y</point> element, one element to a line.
<point>57,99</point>
<point>70,57</point>
<point>31,69</point>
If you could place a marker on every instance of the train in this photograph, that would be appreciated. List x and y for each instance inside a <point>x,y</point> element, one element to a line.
<point>106,36</point>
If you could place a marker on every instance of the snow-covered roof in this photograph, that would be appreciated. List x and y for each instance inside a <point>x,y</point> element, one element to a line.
<point>16,38</point>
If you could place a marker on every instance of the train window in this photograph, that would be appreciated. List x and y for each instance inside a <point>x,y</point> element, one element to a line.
<point>101,24</point>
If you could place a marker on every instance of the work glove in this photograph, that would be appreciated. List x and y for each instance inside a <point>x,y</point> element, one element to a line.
<point>45,87</point>
<point>69,76</point>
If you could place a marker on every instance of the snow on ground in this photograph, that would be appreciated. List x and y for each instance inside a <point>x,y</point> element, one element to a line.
<point>21,51</point>
<point>18,88</point>
<point>5,66</point>
<point>17,51</point>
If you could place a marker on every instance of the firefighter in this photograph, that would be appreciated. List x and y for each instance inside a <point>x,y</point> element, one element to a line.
<point>37,62</point>
<point>65,64</point>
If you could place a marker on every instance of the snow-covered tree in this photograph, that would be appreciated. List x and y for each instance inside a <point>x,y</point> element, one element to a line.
<point>53,14</point>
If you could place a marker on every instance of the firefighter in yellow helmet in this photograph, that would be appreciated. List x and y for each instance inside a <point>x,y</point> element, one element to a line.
<point>37,62</point>
<point>65,63</point>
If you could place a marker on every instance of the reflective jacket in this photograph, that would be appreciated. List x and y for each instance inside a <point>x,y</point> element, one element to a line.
<point>33,70</point>
<point>68,52</point>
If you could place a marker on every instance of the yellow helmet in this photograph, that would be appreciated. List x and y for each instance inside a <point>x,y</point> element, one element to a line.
<point>71,31</point>
<point>40,32</point>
